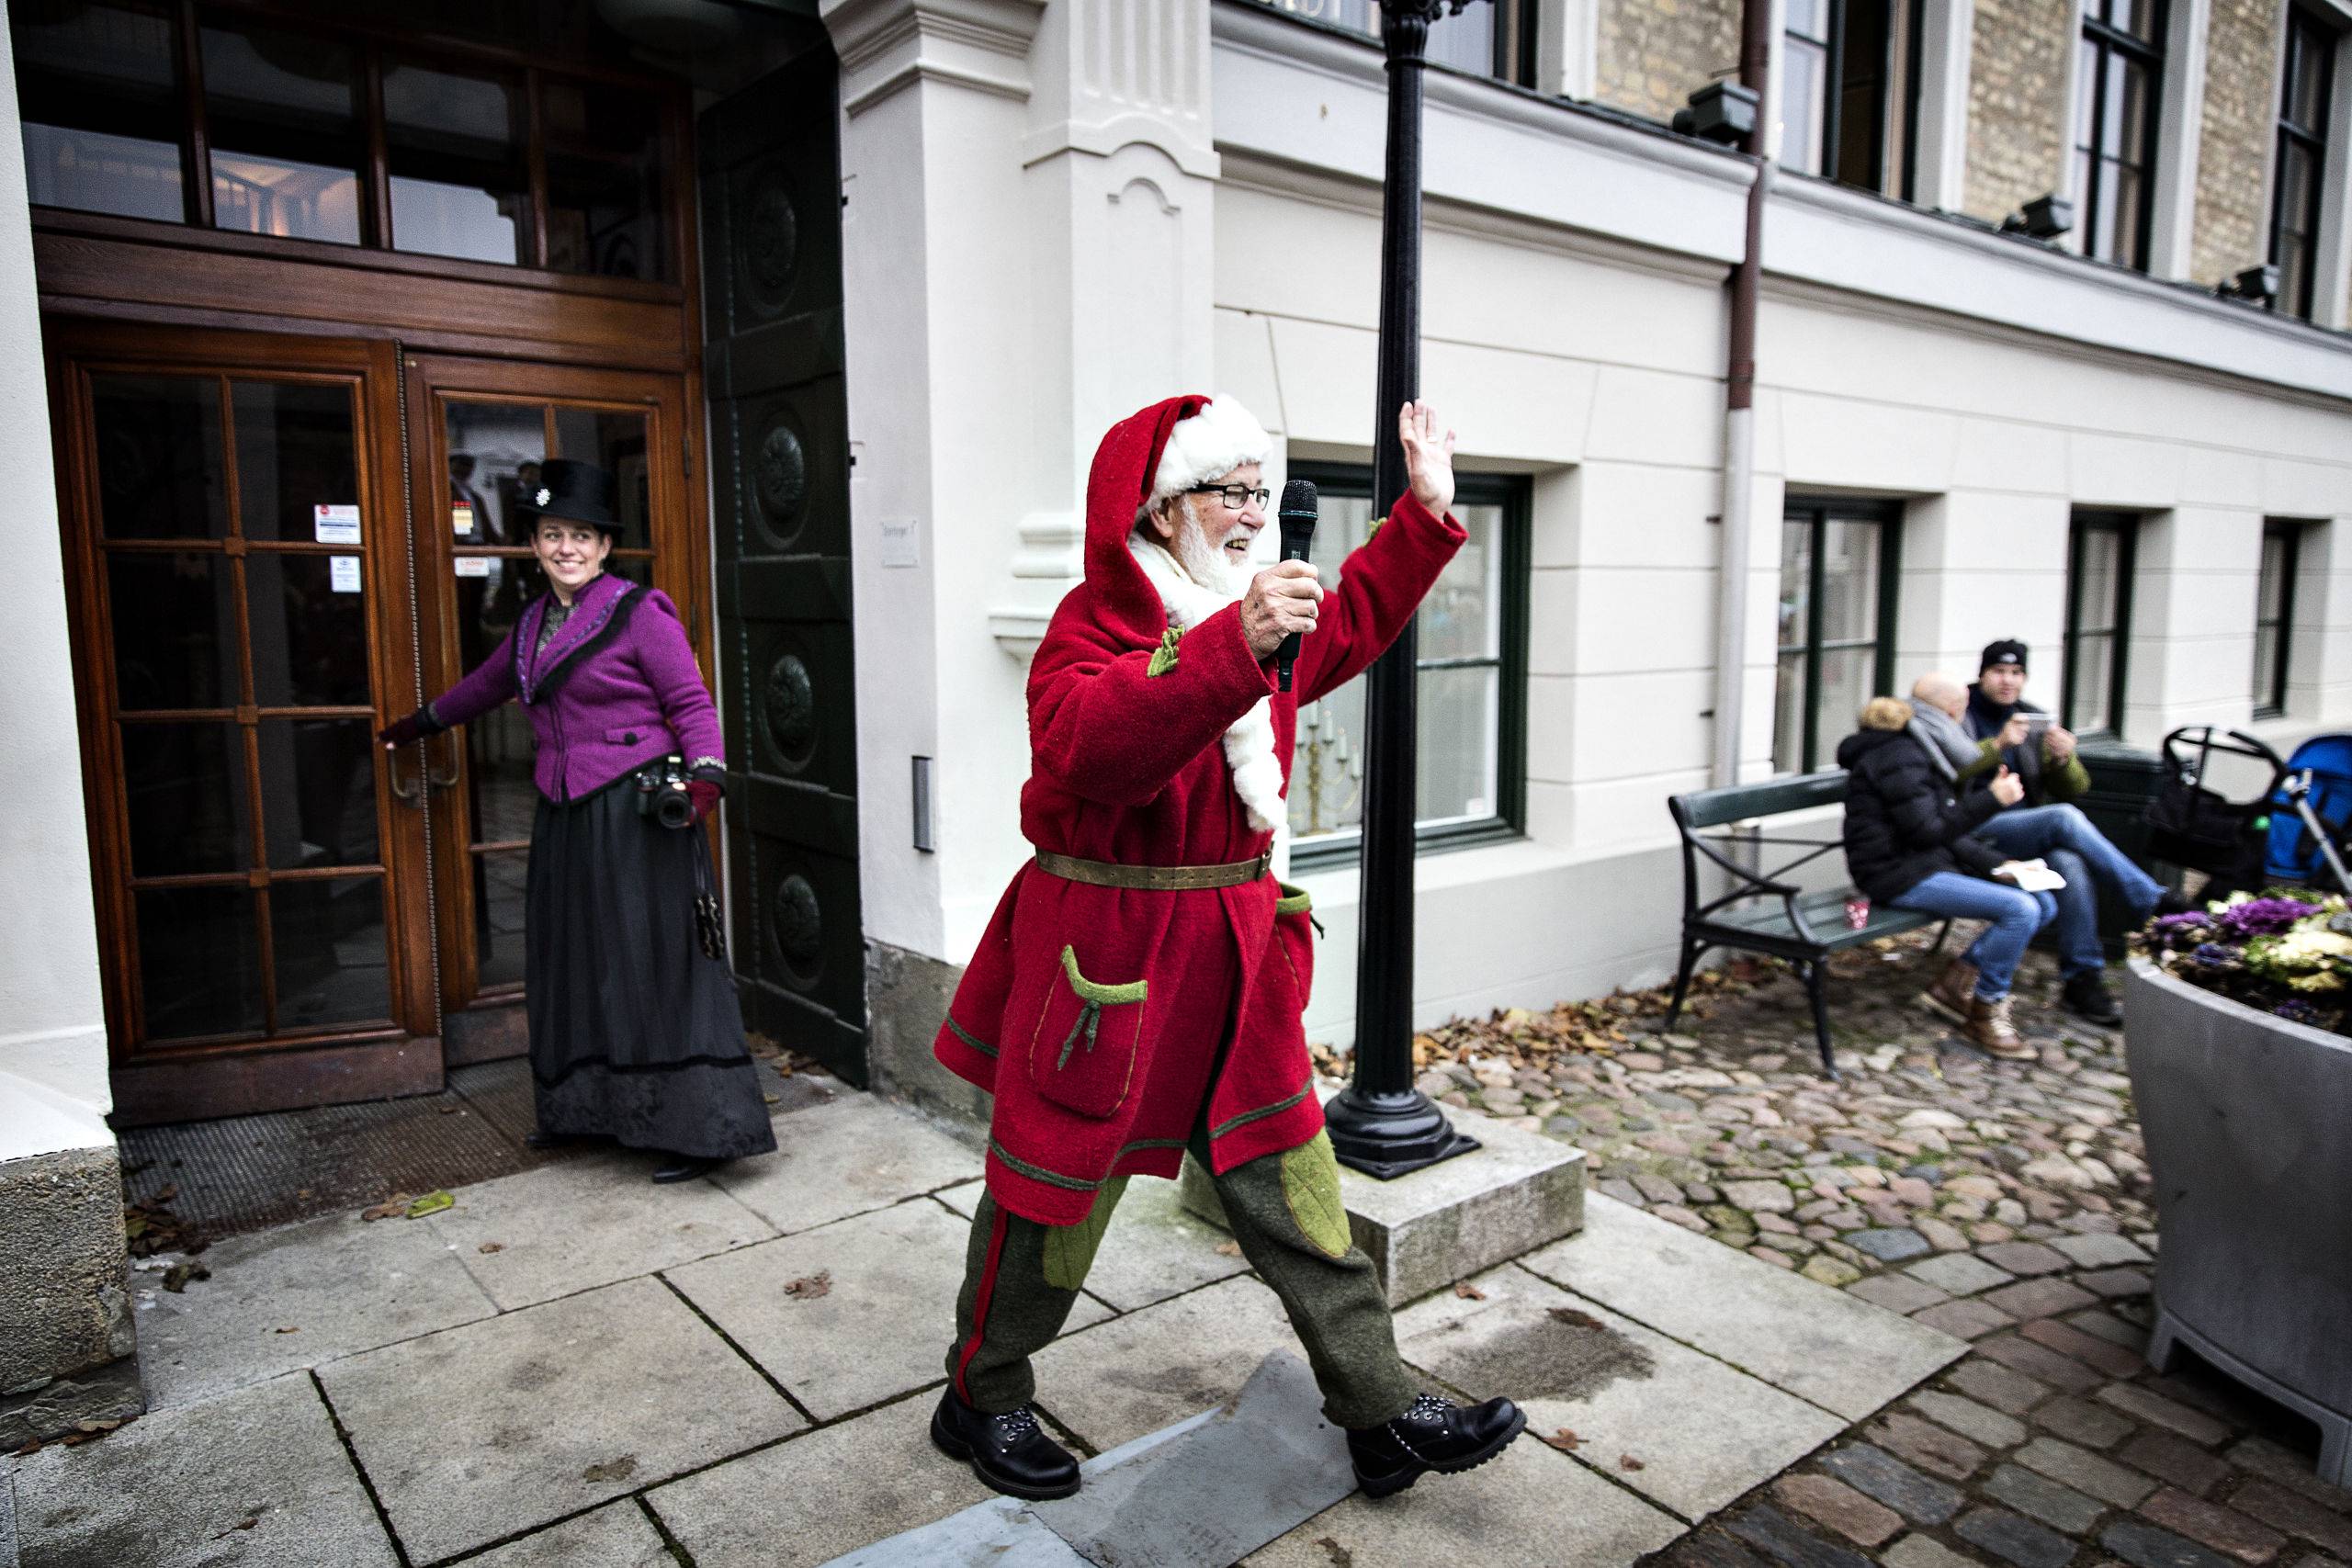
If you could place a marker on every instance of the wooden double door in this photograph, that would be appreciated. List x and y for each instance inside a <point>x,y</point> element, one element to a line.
<point>274,544</point>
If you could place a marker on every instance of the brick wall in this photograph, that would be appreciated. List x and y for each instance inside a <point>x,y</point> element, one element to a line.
<point>2019,64</point>
<point>2241,106</point>
<point>1653,53</point>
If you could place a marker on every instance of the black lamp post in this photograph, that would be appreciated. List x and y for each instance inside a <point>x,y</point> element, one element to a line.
<point>1380,1124</point>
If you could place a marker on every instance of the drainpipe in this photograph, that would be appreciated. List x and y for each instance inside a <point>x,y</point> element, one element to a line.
<point>1740,404</point>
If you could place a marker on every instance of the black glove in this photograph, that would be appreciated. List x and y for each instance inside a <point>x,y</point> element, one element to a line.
<point>409,730</point>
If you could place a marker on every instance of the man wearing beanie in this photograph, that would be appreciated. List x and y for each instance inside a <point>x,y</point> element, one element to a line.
<point>1139,990</point>
<point>2044,826</point>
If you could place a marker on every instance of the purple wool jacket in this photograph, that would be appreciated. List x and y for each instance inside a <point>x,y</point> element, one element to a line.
<point>615,689</point>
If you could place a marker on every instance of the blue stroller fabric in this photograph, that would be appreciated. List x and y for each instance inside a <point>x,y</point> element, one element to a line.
<point>2293,853</point>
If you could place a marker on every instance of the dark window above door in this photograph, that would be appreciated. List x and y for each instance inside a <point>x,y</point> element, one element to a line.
<point>341,132</point>
<point>1852,92</point>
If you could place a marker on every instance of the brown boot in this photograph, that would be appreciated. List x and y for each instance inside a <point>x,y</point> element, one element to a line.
<point>1988,1025</point>
<point>1954,992</point>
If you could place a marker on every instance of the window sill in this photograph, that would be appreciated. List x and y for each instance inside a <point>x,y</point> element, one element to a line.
<point>1436,840</point>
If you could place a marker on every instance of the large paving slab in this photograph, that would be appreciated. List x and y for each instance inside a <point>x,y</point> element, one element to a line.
<point>1217,1489</point>
<point>1155,1248</point>
<point>1835,1350</point>
<point>900,1266</point>
<point>617,1535</point>
<point>835,1160</point>
<point>1136,1374</point>
<point>253,1478</point>
<point>1532,1508</point>
<point>587,1222</point>
<point>822,1494</point>
<point>1704,1433</point>
<point>475,1433</point>
<point>281,1300</point>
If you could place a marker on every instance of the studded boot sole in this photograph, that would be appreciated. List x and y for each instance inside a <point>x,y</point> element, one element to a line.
<point>1412,1470</point>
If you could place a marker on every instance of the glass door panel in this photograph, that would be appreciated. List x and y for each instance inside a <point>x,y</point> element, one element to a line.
<point>231,536</point>
<point>493,428</point>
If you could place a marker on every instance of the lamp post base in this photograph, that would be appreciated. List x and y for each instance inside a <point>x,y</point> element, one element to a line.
<point>1386,1135</point>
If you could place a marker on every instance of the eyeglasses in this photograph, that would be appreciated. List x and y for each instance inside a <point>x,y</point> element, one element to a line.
<point>1235,497</point>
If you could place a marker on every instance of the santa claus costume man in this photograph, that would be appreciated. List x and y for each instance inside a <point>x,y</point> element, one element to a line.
<point>1139,990</point>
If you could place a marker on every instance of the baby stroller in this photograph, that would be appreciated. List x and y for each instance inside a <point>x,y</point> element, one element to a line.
<point>2311,820</point>
<point>2191,824</point>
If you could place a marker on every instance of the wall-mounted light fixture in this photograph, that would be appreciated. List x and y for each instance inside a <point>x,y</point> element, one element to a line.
<point>1721,112</point>
<point>2043,218</point>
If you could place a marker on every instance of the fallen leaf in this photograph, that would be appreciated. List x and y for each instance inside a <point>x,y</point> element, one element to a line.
<point>809,1287</point>
<point>431,1203</point>
<point>1564,1440</point>
<point>489,1246</point>
<point>1627,1462</point>
<point>301,1192</point>
<point>395,1205</point>
<point>1469,1292</point>
<point>1578,1319</point>
<point>170,1191</point>
<point>1228,1249</point>
<point>177,1277</point>
<point>450,1109</point>
<point>773,1098</point>
<point>620,1468</point>
<point>97,1425</point>
<point>32,1446</point>
<point>1339,1555</point>
<point>289,1331</point>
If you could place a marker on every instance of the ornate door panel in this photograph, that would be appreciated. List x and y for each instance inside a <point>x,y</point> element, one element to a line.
<point>237,556</point>
<point>771,192</point>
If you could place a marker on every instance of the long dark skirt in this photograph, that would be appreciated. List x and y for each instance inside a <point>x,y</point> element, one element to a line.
<point>636,1032</point>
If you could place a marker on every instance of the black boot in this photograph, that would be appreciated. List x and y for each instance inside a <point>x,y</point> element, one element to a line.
<point>1009,1452</point>
<point>2086,997</point>
<point>1433,1434</point>
<point>682,1168</point>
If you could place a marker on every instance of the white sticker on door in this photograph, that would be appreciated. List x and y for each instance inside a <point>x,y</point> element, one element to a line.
<point>337,525</point>
<point>343,573</point>
<point>473,566</point>
<point>461,519</point>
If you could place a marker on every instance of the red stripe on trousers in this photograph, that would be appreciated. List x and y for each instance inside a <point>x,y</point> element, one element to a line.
<point>980,1305</point>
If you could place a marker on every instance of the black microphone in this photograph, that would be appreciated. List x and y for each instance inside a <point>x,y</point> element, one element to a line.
<point>1297,519</point>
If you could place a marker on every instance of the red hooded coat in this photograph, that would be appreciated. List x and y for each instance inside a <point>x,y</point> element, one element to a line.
<point>1071,1014</point>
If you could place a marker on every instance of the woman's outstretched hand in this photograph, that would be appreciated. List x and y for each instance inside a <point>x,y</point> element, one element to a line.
<point>408,731</point>
<point>705,795</point>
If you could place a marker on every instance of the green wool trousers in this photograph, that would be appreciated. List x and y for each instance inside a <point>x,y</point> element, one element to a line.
<point>1020,1279</point>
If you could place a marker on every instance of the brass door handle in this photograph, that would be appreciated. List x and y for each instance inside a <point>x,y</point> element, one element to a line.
<point>434,776</point>
<point>407,795</point>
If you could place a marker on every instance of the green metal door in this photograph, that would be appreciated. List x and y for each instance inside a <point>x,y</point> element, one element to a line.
<point>771,228</point>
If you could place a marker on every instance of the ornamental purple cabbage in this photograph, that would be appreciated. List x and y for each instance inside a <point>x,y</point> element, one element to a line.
<point>2263,917</point>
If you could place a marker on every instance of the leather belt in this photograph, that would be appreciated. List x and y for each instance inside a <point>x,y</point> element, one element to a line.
<point>1155,878</point>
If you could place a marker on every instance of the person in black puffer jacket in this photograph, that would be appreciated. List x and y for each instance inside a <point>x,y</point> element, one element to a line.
<point>1910,845</point>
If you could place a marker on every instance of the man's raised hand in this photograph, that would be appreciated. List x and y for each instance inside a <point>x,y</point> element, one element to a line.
<point>1283,599</point>
<point>1428,456</point>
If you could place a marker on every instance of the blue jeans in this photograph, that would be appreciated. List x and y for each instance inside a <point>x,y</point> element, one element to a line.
<point>2082,854</point>
<point>2015,915</point>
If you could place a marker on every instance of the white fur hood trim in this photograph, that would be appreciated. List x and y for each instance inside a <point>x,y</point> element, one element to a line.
<point>1249,739</point>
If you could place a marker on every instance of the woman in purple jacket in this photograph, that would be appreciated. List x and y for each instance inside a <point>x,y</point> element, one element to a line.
<point>635,1029</point>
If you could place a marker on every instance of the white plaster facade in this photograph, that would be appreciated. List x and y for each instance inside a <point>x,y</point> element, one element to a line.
<point>1057,215</point>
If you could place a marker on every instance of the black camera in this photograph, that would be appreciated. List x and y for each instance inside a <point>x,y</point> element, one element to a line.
<point>661,793</point>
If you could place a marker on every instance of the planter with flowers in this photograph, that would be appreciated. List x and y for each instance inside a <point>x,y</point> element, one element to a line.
<point>2242,1073</point>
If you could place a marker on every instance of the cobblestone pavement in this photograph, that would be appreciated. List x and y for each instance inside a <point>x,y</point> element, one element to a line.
<point>2005,1203</point>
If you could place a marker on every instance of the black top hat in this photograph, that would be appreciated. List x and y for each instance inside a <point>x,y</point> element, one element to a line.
<point>581,492</point>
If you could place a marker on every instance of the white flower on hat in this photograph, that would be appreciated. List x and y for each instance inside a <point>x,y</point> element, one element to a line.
<point>1218,439</point>
<point>543,496</point>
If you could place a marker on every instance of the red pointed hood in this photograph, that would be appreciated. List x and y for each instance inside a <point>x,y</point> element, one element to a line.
<point>1116,489</point>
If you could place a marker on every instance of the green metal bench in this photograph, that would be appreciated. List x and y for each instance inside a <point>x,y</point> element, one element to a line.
<point>1762,911</point>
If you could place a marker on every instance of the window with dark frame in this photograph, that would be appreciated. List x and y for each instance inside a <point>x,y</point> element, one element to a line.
<point>2099,553</point>
<point>2119,75</point>
<point>1497,39</point>
<point>2274,614</point>
<point>1472,698</point>
<point>220,118</point>
<point>1852,92</point>
<point>2307,80</point>
<point>1839,564</point>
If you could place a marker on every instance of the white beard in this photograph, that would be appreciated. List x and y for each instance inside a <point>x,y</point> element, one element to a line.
<point>1191,589</point>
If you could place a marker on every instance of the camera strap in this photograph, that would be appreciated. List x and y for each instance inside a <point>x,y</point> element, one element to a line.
<point>710,921</point>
